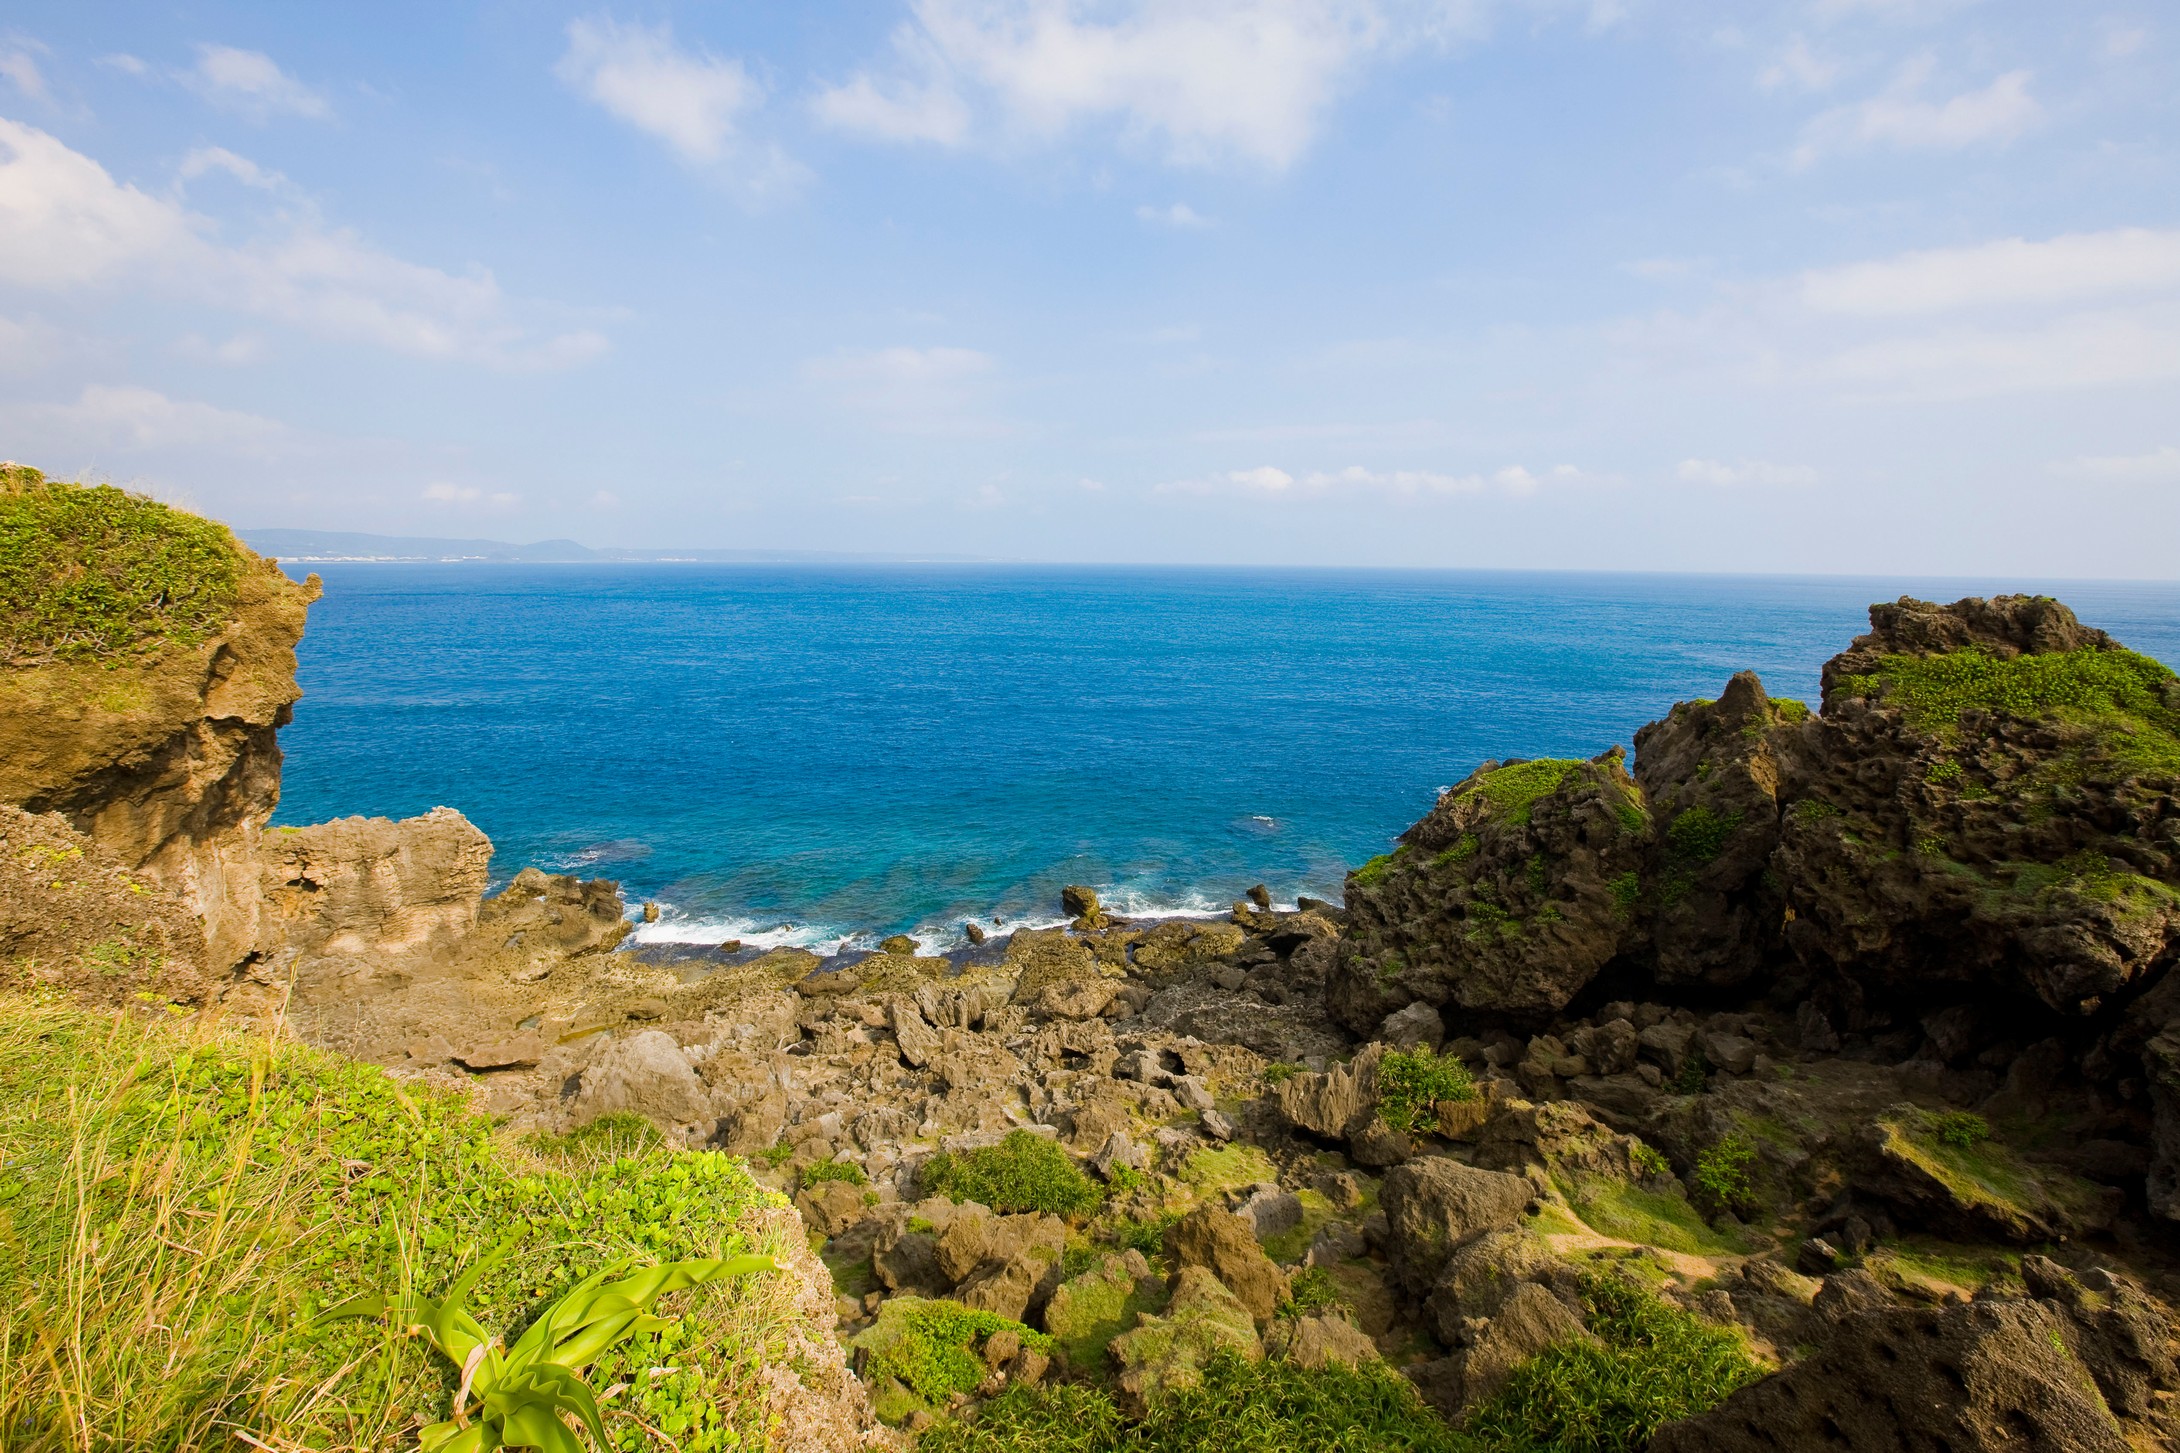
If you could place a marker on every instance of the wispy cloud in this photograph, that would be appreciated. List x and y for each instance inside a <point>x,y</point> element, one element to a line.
<point>2159,466</point>
<point>1271,482</point>
<point>936,391</point>
<point>251,84</point>
<point>1905,117</point>
<point>19,68</point>
<point>127,417</point>
<point>1744,474</point>
<point>459,496</point>
<point>65,223</point>
<point>692,101</point>
<point>1180,215</point>
<point>2010,271</point>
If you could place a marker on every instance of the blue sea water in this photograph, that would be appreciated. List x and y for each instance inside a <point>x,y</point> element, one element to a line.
<point>808,753</point>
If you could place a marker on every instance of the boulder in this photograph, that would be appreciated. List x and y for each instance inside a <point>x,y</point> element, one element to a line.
<point>1434,1204</point>
<point>1480,1276</point>
<point>1941,837</point>
<point>918,1041</point>
<point>1087,1312</point>
<point>1981,1191</point>
<point>2121,1333</point>
<point>1336,1103</point>
<point>1269,1210</point>
<point>1226,1246</point>
<point>1168,1352</point>
<point>1531,1319</point>
<point>899,943</point>
<point>1418,1025</point>
<point>1508,897</point>
<point>1315,1342</point>
<point>831,1207</point>
<point>1976,1377</point>
<point>645,1074</point>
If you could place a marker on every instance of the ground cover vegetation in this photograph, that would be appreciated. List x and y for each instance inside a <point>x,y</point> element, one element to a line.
<point>97,573</point>
<point>179,1207</point>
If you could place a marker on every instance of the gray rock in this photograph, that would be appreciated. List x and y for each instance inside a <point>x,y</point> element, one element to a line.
<point>1418,1024</point>
<point>1434,1204</point>
<point>645,1074</point>
<point>1270,1210</point>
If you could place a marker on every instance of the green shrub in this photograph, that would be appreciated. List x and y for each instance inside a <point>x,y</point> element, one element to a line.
<point>833,1170</point>
<point>930,1348</point>
<point>1961,1129</point>
<point>97,573</point>
<point>1278,1072</point>
<point>1695,1073</point>
<point>285,1178</point>
<point>1148,1237</point>
<point>1648,1162</point>
<point>1374,871</point>
<point>1652,1363</point>
<point>1411,1083</point>
<point>1627,891</point>
<point>2134,698</point>
<point>1024,1172</point>
<point>1273,1406</point>
<point>1512,791</point>
<point>1721,1181</point>
<point>1312,1290</point>
<point>1698,834</point>
<point>1462,850</point>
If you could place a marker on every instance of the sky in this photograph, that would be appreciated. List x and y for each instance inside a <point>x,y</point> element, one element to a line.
<point>1833,286</point>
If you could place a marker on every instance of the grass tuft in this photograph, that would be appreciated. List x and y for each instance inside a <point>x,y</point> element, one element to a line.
<point>1024,1172</point>
<point>1411,1083</point>
<point>97,573</point>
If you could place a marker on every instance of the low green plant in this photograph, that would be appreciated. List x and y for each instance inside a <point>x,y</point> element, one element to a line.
<point>1122,1179</point>
<point>1373,872</point>
<point>1310,1291</point>
<point>1721,1180</point>
<point>1512,791</point>
<point>1650,1363</point>
<point>1961,1129</point>
<point>1627,891</point>
<point>776,1155</point>
<point>1695,1073</point>
<point>833,1170</point>
<point>1648,1161</point>
<point>930,1348</point>
<point>1148,1237</point>
<point>1024,1172</point>
<point>1412,1082</point>
<point>97,573</point>
<point>1463,849</point>
<point>526,1393</point>
<point>1240,1406</point>
<point>1278,1072</point>
<point>1698,834</point>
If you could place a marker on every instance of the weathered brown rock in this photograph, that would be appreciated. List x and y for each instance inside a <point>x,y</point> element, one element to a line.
<point>73,918</point>
<point>370,886</point>
<point>170,764</point>
<point>1226,1246</point>
<point>1711,772</point>
<point>1981,1377</point>
<point>1434,1204</point>
<point>1509,897</point>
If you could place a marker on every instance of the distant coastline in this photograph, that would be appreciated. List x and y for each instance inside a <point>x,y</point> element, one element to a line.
<point>348,547</point>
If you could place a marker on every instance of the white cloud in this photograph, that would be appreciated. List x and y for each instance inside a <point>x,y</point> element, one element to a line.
<point>1900,116</point>
<point>2006,272</point>
<point>128,417</point>
<point>66,223</point>
<point>463,495</point>
<point>20,68</point>
<point>1208,79</point>
<point>1270,481</point>
<point>242,348</point>
<point>1745,473</point>
<point>125,63</point>
<point>898,365</point>
<point>1799,67</point>
<point>208,159</point>
<point>251,84</point>
<point>2080,351</point>
<point>2159,466</point>
<point>1180,215</point>
<point>689,99</point>
<point>2125,40</point>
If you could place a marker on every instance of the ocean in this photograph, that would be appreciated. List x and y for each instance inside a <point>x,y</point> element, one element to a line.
<point>823,754</point>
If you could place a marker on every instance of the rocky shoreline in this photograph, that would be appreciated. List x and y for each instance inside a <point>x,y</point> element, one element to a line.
<point>1852,1031</point>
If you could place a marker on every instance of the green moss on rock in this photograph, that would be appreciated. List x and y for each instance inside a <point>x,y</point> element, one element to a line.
<point>97,573</point>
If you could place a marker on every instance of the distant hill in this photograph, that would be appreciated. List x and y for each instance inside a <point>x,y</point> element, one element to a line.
<point>315,547</point>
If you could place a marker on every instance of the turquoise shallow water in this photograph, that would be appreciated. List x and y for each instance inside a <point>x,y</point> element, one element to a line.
<point>802,753</point>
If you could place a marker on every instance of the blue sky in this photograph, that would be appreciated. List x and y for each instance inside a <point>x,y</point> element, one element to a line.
<point>1810,285</point>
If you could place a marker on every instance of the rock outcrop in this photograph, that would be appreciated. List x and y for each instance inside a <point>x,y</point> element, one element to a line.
<point>1508,898</point>
<point>169,762</point>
